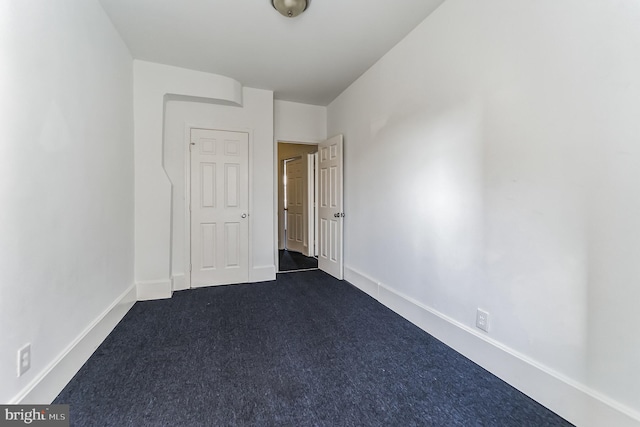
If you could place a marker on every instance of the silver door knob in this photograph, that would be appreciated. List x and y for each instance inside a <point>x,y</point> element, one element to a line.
<point>244,215</point>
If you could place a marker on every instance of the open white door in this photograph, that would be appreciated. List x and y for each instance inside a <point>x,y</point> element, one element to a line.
<point>297,237</point>
<point>219,207</point>
<point>331,215</point>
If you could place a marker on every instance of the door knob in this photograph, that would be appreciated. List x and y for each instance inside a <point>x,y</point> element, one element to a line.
<point>244,215</point>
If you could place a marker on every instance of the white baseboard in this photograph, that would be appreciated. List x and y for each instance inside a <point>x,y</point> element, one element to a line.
<point>163,289</point>
<point>361,281</point>
<point>178,283</point>
<point>570,399</point>
<point>151,290</point>
<point>262,274</point>
<point>52,380</point>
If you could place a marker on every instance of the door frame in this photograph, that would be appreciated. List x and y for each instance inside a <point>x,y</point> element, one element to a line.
<point>187,194</point>
<point>311,217</point>
<point>314,206</point>
<point>276,204</point>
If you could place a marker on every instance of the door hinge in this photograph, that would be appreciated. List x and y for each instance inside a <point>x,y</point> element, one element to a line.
<point>190,268</point>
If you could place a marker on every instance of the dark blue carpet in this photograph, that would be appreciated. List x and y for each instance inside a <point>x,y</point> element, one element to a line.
<point>305,350</point>
<point>291,261</point>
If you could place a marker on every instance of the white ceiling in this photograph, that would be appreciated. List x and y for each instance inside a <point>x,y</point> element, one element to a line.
<point>310,59</point>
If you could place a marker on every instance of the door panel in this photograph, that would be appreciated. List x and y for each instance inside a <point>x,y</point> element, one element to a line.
<point>233,246</point>
<point>331,215</point>
<point>208,245</point>
<point>219,207</point>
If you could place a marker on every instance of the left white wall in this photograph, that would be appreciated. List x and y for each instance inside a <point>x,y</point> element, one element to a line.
<point>66,189</point>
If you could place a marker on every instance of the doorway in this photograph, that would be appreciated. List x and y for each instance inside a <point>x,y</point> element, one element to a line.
<point>297,208</point>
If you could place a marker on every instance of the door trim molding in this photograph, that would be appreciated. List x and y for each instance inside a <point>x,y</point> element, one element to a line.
<point>187,195</point>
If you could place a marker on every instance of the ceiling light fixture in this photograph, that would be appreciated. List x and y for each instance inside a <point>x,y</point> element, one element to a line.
<point>290,8</point>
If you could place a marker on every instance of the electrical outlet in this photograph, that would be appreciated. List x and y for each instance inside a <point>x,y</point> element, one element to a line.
<point>482,320</point>
<point>24,359</point>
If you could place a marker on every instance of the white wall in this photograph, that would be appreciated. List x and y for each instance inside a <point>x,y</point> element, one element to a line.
<point>296,122</point>
<point>207,100</point>
<point>492,161</point>
<point>255,116</point>
<point>66,180</point>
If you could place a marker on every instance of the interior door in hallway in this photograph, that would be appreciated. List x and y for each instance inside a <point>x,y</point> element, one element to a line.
<point>219,207</point>
<point>330,212</point>
<point>297,234</point>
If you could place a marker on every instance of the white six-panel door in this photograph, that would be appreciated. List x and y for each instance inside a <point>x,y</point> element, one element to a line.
<point>219,207</point>
<point>330,212</point>
<point>297,234</point>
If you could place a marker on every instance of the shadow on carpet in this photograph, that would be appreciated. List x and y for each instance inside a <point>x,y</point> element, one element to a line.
<point>304,350</point>
<point>291,261</point>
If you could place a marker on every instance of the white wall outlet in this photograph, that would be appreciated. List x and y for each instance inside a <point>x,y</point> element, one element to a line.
<point>24,359</point>
<point>482,320</point>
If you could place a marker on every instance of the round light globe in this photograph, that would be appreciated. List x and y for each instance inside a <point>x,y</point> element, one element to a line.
<point>290,8</point>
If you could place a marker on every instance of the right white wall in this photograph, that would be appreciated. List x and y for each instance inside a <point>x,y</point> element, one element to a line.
<point>492,160</point>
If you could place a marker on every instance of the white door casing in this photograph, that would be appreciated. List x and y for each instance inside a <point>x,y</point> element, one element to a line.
<point>331,215</point>
<point>297,237</point>
<point>219,207</point>
<point>311,205</point>
<point>316,192</point>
